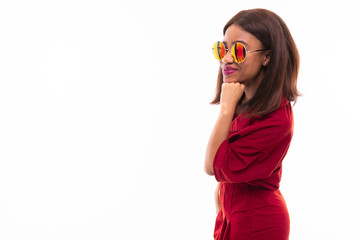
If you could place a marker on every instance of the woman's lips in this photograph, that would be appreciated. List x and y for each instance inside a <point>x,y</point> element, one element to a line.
<point>229,70</point>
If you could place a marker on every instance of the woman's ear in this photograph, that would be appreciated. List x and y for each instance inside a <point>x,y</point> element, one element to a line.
<point>266,59</point>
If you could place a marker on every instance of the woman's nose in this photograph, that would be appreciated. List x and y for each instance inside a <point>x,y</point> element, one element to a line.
<point>228,58</point>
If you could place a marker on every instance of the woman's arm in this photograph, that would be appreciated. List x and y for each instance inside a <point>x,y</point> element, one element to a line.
<point>217,199</point>
<point>230,95</point>
<point>218,135</point>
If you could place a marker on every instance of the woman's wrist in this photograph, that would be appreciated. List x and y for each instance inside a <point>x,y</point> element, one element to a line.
<point>227,111</point>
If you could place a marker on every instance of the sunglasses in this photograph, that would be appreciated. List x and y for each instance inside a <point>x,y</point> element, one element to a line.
<point>238,51</point>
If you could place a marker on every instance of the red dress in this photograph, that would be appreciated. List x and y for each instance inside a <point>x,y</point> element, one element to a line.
<point>248,164</point>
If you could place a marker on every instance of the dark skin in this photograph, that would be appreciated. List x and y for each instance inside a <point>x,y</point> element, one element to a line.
<point>250,71</point>
<point>243,82</point>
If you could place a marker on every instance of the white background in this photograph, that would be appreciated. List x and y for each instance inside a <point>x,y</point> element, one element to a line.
<point>104,118</point>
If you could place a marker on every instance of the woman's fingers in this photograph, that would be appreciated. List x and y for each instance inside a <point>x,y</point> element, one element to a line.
<point>230,95</point>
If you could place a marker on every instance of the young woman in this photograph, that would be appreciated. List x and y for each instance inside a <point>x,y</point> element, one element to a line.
<point>259,64</point>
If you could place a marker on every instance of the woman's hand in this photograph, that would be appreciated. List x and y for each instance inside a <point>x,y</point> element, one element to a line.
<point>230,96</point>
<point>217,198</point>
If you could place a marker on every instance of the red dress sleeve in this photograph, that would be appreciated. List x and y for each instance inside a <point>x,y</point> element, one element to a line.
<point>255,150</point>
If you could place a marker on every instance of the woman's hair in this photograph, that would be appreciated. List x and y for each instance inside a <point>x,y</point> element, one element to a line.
<point>281,73</point>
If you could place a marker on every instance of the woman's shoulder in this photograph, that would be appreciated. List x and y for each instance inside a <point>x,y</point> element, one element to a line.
<point>282,116</point>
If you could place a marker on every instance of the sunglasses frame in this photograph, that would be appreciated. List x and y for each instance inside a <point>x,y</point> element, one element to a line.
<point>233,51</point>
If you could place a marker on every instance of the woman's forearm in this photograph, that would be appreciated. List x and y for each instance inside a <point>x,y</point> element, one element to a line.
<point>217,198</point>
<point>230,96</point>
<point>218,135</point>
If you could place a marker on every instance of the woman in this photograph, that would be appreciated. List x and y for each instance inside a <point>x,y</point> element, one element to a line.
<point>259,65</point>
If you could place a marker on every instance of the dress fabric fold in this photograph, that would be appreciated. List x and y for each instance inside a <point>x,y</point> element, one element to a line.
<point>248,165</point>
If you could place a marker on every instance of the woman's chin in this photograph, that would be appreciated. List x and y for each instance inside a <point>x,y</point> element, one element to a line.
<point>230,80</point>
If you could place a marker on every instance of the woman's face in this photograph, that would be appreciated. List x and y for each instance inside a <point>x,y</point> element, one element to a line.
<point>248,71</point>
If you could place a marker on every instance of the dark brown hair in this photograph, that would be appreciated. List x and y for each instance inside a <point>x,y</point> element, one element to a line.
<point>281,73</point>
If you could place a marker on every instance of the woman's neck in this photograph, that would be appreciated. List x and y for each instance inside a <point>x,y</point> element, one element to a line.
<point>251,87</point>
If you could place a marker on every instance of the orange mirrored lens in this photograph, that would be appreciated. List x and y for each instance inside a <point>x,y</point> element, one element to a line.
<point>238,51</point>
<point>219,50</point>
